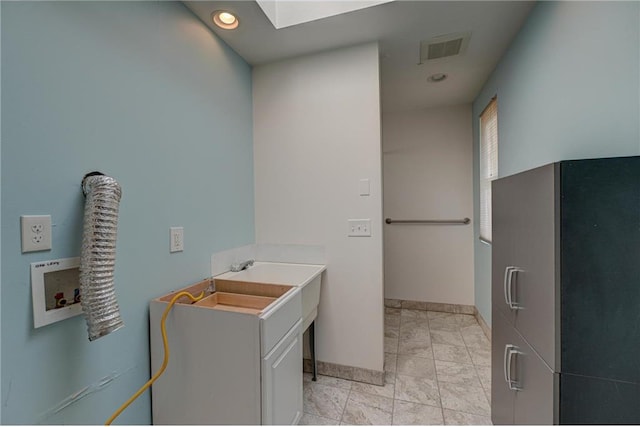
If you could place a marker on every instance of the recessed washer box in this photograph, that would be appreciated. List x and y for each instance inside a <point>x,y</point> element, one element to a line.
<point>55,288</point>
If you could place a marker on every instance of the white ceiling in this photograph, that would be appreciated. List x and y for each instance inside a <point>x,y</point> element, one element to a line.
<point>399,27</point>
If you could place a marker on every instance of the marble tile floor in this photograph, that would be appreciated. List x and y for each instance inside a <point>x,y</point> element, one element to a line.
<point>437,369</point>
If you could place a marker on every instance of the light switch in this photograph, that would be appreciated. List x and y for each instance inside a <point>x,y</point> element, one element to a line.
<point>365,188</point>
<point>359,228</point>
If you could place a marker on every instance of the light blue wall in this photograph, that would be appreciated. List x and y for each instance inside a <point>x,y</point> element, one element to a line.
<point>567,88</point>
<point>144,92</point>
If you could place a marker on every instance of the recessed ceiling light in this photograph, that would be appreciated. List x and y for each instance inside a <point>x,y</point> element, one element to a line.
<point>225,20</point>
<point>437,77</point>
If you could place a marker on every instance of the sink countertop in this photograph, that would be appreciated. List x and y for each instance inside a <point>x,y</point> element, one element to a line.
<point>277,273</point>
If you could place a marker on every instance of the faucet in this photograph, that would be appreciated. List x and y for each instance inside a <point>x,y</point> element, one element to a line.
<point>211,289</point>
<point>242,265</point>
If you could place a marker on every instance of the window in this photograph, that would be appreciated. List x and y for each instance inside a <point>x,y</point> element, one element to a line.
<point>488,164</point>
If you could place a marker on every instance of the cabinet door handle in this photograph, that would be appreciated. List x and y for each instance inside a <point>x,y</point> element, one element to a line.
<point>507,285</point>
<point>509,351</point>
<point>507,355</point>
<point>509,273</point>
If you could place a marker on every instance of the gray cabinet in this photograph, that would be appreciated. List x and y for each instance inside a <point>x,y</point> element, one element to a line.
<point>523,386</point>
<point>566,293</point>
<point>524,256</point>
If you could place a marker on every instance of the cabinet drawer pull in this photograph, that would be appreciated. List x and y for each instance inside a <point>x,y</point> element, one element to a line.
<point>507,374</point>
<point>509,351</point>
<point>508,287</point>
<point>514,305</point>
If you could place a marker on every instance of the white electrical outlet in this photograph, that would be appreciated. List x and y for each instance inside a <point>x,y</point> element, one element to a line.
<point>35,232</point>
<point>359,227</point>
<point>177,239</point>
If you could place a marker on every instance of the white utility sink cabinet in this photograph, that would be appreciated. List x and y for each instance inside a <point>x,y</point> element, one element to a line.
<point>235,364</point>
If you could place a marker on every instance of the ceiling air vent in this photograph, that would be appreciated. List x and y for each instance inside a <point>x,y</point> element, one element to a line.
<point>443,46</point>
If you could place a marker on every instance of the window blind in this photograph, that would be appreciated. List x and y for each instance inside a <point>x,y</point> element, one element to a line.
<point>488,164</point>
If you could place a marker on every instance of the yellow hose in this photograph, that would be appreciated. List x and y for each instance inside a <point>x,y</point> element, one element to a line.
<point>165,362</point>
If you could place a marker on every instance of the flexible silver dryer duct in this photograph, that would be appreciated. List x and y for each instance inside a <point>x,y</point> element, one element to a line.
<point>98,258</point>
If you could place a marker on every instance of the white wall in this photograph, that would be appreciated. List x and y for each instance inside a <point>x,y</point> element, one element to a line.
<point>428,175</point>
<point>316,134</point>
